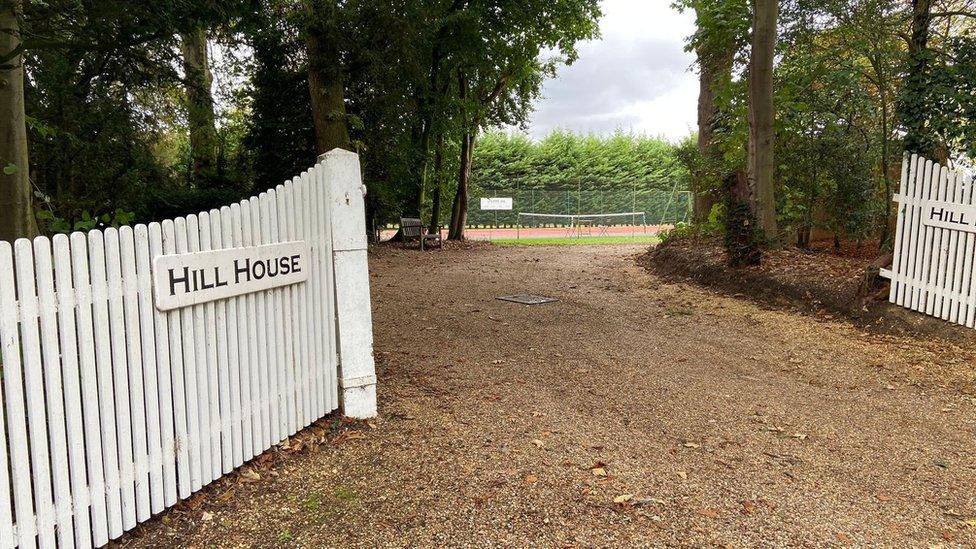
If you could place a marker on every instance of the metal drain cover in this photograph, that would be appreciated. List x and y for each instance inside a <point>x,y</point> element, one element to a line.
<point>527,299</point>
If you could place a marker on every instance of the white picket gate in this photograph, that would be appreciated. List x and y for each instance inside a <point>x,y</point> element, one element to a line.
<point>935,242</point>
<point>115,410</point>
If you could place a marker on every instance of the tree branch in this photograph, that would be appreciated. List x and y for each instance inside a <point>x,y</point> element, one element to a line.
<point>960,13</point>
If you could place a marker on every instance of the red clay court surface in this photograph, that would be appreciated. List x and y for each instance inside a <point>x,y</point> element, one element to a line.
<point>552,232</point>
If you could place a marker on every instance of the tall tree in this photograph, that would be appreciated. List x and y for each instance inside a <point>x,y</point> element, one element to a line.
<point>912,106</point>
<point>325,75</point>
<point>709,79</point>
<point>200,107</point>
<point>17,217</point>
<point>498,55</point>
<point>475,107</point>
<point>721,32</point>
<point>762,114</point>
<point>435,209</point>
<point>280,135</point>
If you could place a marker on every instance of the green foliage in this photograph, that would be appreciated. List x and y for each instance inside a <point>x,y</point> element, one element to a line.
<point>939,102</point>
<point>569,173</point>
<point>107,120</point>
<point>837,78</point>
<point>837,84</point>
<point>85,222</point>
<point>103,101</point>
<point>714,226</point>
<point>278,138</point>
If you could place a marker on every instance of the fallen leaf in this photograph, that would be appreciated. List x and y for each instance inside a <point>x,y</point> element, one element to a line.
<point>971,523</point>
<point>249,475</point>
<point>347,435</point>
<point>843,538</point>
<point>800,436</point>
<point>748,507</point>
<point>683,475</point>
<point>531,479</point>
<point>646,501</point>
<point>709,512</point>
<point>623,498</point>
<point>882,497</point>
<point>207,516</point>
<point>691,445</point>
<point>195,501</point>
<point>538,443</point>
<point>599,472</point>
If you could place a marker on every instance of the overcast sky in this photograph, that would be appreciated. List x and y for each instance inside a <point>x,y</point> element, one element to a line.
<point>635,78</point>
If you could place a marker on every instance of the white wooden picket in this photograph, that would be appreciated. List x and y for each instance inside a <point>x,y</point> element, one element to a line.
<point>115,407</point>
<point>935,242</point>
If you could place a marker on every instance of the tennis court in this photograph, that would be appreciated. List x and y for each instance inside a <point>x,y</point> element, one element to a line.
<point>514,233</point>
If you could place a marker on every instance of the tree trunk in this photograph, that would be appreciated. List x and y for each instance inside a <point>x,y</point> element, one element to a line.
<point>16,211</point>
<point>741,234</point>
<point>911,111</point>
<point>459,211</point>
<point>200,108</point>
<point>703,199</point>
<point>714,73</point>
<point>325,83</point>
<point>435,210</point>
<point>761,116</point>
<point>891,220</point>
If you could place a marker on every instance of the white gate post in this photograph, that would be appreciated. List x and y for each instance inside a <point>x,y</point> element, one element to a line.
<point>354,323</point>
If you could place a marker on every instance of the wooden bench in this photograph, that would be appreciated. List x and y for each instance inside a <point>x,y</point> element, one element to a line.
<point>413,229</point>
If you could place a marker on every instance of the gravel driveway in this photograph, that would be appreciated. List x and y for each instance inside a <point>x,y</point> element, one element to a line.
<point>632,412</point>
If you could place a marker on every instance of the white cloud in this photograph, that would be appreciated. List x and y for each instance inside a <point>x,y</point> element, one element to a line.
<point>635,78</point>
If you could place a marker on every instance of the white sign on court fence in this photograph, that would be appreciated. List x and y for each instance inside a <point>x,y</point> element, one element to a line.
<point>189,279</point>
<point>503,204</point>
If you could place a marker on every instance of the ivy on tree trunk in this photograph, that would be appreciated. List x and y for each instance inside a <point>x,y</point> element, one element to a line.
<point>912,105</point>
<point>741,231</point>
<point>200,108</point>
<point>325,82</point>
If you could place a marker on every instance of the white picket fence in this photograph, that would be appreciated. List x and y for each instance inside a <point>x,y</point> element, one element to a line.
<point>935,242</point>
<point>115,410</point>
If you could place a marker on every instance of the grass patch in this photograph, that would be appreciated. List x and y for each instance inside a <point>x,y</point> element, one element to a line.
<point>312,502</point>
<point>582,241</point>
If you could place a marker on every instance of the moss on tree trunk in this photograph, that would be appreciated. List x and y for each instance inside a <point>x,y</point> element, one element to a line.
<point>200,108</point>
<point>16,211</point>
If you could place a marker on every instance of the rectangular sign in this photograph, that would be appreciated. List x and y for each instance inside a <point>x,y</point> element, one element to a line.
<point>496,204</point>
<point>946,215</point>
<point>188,279</point>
